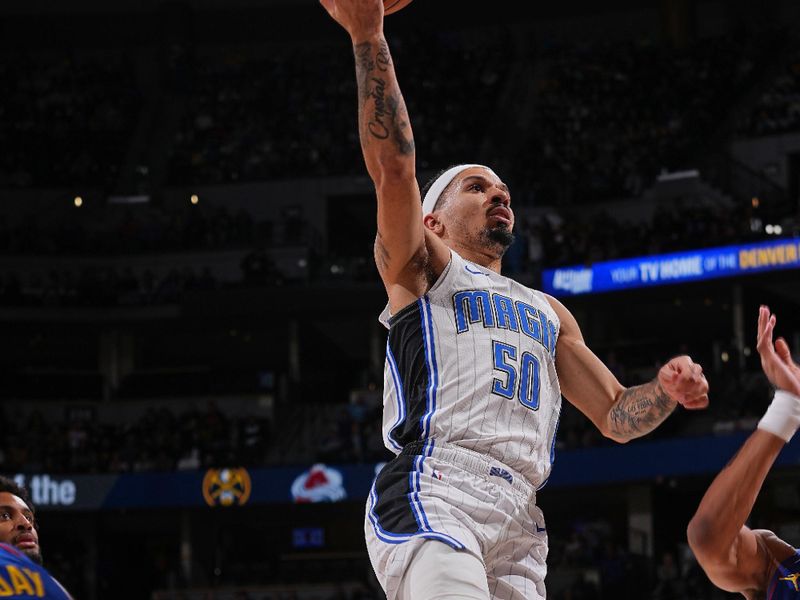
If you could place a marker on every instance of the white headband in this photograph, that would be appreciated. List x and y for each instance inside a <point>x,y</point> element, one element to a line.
<point>436,189</point>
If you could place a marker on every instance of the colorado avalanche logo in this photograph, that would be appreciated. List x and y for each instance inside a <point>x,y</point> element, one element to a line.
<point>318,484</point>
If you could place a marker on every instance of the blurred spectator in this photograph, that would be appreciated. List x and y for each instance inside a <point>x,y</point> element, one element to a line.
<point>50,100</point>
<point>777,108</point>
<point>235,127</point>
<point>253,438</point>
<point>259,269</point>
<point>611,115</point>
<point>669,585</point>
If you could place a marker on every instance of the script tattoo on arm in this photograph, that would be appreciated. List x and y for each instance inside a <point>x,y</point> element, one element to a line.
<point>381,108</point>
<point>640,409</point>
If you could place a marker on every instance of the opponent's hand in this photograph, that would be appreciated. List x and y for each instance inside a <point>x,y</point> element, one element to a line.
<point>776,359</point>
<point>682,380</point>
<point>363,19</point>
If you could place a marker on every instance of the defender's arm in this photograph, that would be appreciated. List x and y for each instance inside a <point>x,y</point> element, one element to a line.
<point>734,557</point>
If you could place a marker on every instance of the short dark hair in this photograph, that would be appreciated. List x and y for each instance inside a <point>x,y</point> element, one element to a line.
<point>12,487</point>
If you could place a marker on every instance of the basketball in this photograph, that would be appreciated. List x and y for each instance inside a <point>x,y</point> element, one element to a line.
<point>392,6</point>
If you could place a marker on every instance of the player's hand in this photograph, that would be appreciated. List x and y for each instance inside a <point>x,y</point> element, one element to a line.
<point>363,19</point>
<point>682,379</point>
<point>776,359</point>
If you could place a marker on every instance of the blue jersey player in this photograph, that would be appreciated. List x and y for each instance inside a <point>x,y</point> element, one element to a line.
<point>21,578</point>
<point>21,573</point>
<point>753,562</point>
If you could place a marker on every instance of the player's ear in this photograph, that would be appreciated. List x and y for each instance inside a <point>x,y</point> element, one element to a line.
<point>432,222</point>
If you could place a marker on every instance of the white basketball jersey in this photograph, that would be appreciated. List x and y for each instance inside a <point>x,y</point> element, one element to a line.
<point>472,363</point>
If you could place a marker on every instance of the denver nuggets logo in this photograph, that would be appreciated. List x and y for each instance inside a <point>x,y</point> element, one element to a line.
<point>225,487</point>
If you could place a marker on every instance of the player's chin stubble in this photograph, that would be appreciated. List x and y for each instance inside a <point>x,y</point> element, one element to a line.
<point>499,238</point>
<point>34,555</point>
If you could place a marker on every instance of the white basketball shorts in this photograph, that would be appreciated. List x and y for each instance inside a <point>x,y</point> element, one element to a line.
<point>471,503</point>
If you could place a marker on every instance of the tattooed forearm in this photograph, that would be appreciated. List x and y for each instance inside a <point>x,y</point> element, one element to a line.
<point>382,111</point>
<point>401,132</point>
<point>382,256</point>
<point>377,125</point>
<point>639,410</point>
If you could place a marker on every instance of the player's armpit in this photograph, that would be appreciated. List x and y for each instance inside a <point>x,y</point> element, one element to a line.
<point>400,233</point>
<point>407,278</point>
<point>403,286</point>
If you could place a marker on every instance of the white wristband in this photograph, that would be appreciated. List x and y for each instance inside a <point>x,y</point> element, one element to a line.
<point>783,415</point>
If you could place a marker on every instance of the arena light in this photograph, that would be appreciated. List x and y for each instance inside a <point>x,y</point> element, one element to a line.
<point>77,201</point>
<point>773,229</point>
<point>194,199</point>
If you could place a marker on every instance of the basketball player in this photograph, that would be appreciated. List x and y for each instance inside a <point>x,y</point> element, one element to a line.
<point>475,366</point>
<point>21,571</point>
<point>753,562</point>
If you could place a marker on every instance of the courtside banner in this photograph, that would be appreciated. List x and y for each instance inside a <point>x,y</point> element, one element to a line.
<point>231,487</point>
<point>678,267</point>
<point>218,488</point>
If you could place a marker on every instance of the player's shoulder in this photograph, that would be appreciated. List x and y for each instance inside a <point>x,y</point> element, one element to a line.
<point>9,551</point>
<point>778,548</point>
<point>782,563</point>
<point>15,566</point>
<point>563,315</point>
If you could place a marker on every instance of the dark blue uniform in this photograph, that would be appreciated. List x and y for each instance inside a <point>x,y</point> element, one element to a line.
<point>785,583</point>
<point>22,579</point>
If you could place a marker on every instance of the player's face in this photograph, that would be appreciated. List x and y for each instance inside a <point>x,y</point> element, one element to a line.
<point>480,210</point>
<point>17,526</point>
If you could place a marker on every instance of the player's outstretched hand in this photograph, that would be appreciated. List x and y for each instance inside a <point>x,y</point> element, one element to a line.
<point>361,18</point>
<point>682,379</point>
<point>776,359</point>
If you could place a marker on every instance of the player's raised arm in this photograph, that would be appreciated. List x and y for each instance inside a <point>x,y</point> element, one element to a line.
<point>622,413</point>
<point>401,254</point>
<point>734,557</point>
